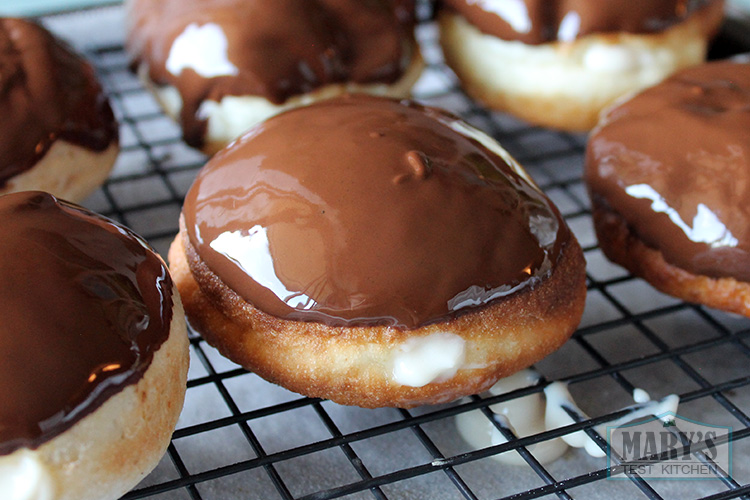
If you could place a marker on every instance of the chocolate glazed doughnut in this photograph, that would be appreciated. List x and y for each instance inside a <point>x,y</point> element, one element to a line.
<point>558,63</point>
<point>668,172</point>
<point>220,66</point>
<point>94,353</point>
<point>375,253</point>
<point>58,131</point>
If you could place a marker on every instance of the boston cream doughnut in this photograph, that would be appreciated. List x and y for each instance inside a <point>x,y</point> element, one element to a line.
<point>220,66</point>
<point>375,253</point>
<point>57,132</point>
<point>669,177</point>
<point>558,63</point>
<point>94,353</point>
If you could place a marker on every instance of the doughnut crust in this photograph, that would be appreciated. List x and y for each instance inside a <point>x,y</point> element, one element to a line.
<point>353,365</point>
<point>109,451</point>
<point>68,171</point>
<point>59,133</point>
<point>667,172</point>
<point>621,245</point>
<point>565,85</point>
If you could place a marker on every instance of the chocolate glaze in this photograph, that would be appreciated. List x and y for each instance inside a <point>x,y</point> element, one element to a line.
<point>273,49</point>
<point>675,162</point>
<point>47,92</point>
<point>363,210</point>
<point>85,304</point>
<point>542,21</point>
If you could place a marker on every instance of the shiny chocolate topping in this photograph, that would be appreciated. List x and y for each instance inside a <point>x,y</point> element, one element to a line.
<point>675,162</point>
<point>542,21</point>
<point>273,49</point>
<point>84,305</point>
<point>46,93</point>
<point>364,210</point>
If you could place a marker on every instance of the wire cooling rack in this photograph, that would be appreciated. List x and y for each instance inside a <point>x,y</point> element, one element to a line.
<point>240,437</point>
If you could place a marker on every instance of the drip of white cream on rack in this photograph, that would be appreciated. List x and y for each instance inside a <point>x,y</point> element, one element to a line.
<point>533,414</point>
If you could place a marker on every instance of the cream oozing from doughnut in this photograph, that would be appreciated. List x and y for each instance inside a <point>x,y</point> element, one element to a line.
<point>23,476</point>
<point>543,411</point>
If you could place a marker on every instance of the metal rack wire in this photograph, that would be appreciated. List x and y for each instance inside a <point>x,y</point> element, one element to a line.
<point>241,437</point>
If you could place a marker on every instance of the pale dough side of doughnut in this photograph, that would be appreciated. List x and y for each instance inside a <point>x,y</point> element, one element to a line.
<point>109,451</point>
<point>353,365</point>
<point>68,171</point>
<point>565,85</point>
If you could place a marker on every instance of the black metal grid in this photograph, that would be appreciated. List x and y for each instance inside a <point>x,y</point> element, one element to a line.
<point>241,437</point>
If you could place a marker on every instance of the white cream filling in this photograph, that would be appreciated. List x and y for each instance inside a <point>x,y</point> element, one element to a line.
<point>524,416</point>
<point>24,477</point>
<point>640,396</point>
<point>558,398</point>
<point>532,414</point>
<point>432,358</point>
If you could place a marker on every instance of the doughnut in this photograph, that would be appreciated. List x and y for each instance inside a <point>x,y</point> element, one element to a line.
<point>95,353</point>
<point>668,172</point>
<point>58,133</point>
<point>375,253</point>
<point>220,66</point>
<point>559,63</point>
